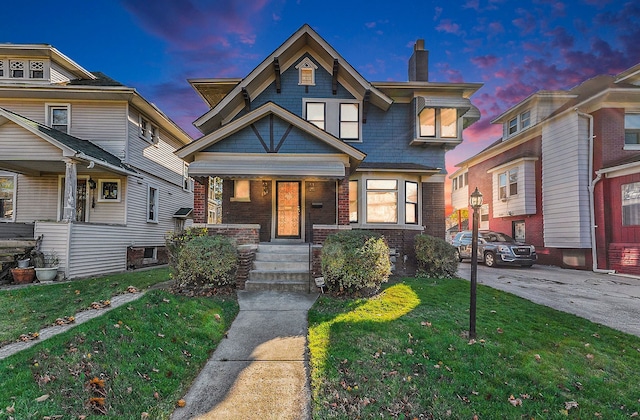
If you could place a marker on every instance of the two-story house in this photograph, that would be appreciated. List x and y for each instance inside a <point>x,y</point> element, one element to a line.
<point>86,163</point>
<point>306,146</point>
<point>565,176</point>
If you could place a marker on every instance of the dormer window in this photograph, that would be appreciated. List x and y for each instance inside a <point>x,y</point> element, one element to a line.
<point>519,122</point>
<point>148,132</point>
<point>441,122</point>
<point>17,69</point>
<point>1,68</point>
<point>306,72</point>
<point>36,69</point>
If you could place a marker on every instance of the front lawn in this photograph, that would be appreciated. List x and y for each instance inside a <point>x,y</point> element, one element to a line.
<point>405,354</point>
<point>135,361</point>
<point>26,310</point>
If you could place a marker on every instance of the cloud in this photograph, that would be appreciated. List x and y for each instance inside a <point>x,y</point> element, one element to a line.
<point>526,22</point>
<point>446,25</point>
<point>485,61</point>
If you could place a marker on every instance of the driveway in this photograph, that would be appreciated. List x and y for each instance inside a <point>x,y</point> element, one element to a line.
<point>611,300</point>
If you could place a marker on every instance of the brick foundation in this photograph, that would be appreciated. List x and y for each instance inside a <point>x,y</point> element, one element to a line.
<point>625,258</point>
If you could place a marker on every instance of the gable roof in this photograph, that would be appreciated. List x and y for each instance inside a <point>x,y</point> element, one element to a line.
<point>187,152</point>
<point>303,40</point>
<point>71,146</point>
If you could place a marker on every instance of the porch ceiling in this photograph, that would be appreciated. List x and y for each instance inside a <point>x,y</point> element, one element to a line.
<point>42,167</point>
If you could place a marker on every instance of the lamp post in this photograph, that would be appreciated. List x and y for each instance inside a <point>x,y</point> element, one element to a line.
<point>476,202</point>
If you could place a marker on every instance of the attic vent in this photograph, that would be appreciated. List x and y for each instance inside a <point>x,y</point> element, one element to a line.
<point>306,72</point>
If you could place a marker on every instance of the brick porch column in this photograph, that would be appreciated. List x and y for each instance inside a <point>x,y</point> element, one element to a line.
<point>200,187</point>
<point>343,201</point>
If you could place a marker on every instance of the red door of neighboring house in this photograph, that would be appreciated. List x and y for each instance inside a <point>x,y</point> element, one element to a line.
<point>288,209</point>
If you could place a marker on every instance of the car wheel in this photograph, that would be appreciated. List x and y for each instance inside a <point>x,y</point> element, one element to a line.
<point>527,265</point>
<point>489,259</point>
<point>457,255</point>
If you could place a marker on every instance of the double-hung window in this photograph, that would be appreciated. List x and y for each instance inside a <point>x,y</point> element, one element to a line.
<point>441,122</point>
<point>353,201</point>
<point>631,204</point>
<point>7,197</point>
<point>382,201</point>
<point>17,69</point>
<point>152,204</point>
<point>508,183</point>
<point>36,69</point>
<point>349,121</point>
<point>519,122</point>
<point>632,131</point>
<point>339,117</point>
<point>58,117</point>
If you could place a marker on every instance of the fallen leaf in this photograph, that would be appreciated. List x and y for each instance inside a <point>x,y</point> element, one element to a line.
<point>409,351</point>
<point>160,335</point>
<point>42,398</point>
<point>144,415</point>
<point>156,395</point>
<point>590,356</point>
<point>425,323</point>
<point>500,330</point>
<point>515,401</point>
<point>537,357</point>
<point>181,403</point>
<point>166,300</point>
<point>10,409</point>
<point>217,317</point>
<point>570,404</point>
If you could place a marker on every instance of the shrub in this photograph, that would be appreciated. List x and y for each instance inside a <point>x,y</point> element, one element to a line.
<point>206,262</point>
<point>355,261</point>
<point>436,258</point>
<point>175,241</point>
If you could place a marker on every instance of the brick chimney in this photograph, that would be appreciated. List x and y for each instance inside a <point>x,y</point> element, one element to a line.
<point>419,63</point>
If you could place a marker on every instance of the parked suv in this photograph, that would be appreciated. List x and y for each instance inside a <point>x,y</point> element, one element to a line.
<point>495,248</point>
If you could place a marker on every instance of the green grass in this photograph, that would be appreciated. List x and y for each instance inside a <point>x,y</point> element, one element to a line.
<point>147,353</point>
<point>27,310</point>
<point>404,354</point>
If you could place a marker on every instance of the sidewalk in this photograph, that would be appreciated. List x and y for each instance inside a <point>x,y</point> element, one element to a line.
<point>261,370</point>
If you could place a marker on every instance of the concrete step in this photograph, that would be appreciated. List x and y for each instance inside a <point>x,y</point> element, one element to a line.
<point>279,275</point>
<point>277,256</point>
<point>293,286</point>
<point>283,249</point>
<point>281,265</point>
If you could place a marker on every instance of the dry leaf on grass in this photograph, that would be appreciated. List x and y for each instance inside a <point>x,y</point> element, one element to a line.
<point>570,404</point>
<point>181,403</point>
<point>42,398</point>
<point>515,401</point>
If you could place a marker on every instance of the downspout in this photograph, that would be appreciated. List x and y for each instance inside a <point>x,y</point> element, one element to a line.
<point>592,206</point>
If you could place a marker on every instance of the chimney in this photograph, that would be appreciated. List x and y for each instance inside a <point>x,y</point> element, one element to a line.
<point>419,63</point>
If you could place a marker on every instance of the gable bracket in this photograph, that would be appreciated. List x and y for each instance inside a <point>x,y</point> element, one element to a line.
<point>284,136</point>
<point>334,81</point>
<point>247,99</point>
<point>276,68</point>
<point>365,105</point>
<point>264,145</point>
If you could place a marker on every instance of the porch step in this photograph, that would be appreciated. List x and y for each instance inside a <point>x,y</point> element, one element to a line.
<point>18,243</point>
<point>280,267</point>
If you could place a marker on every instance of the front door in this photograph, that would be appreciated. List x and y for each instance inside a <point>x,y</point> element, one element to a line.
<point>288,209</point>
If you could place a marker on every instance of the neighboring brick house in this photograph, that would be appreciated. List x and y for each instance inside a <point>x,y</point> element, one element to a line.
<point>565,176</point>
<point>306,146</point>
<point>87,164</point>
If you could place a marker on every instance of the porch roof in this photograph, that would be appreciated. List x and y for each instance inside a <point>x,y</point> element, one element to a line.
<point>71,146</point>
<point>270,165</point>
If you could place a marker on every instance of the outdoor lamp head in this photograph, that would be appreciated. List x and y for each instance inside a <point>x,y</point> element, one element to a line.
<point>476,199</point>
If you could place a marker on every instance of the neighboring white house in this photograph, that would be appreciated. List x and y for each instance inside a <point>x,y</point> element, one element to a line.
<point>87,163</point>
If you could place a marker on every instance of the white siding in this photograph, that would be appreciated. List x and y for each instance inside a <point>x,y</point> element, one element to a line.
<point>460,198</point>
<point>36,198</point>
<point>522,203</point>
<point>55,237</point>
<point>565,196</point>
<point>158,159</point>
<point>102,123</point>
<point>60,75</point>
<point>97,249</point>
<point>34,110</point>
<point>20,144</point>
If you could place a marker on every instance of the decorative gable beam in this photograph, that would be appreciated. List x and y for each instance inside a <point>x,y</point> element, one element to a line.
<point>334,82</point>
<point>247,99</point>
<point>365,105</point>
<point>276,68</point>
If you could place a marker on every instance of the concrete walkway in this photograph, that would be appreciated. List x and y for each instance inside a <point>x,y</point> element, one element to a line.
<point>260,371</point>
<point>80,318</point>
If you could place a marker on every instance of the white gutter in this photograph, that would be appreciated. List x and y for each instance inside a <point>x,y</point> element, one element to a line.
<point>92,161</point>
<point>592,207</point>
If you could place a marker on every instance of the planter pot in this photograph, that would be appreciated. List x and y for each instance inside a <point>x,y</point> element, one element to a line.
<point>23,263</point>
<point>47,273</point>
<point>23,275</point>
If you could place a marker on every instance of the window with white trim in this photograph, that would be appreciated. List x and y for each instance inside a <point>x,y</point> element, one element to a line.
<point>36,69</point>
<point>438,122</point>
<point>1,68</point>
<point>382,201</point>
<point>508,183</point>
<point>631,204</point>
<point>148,132</point>
<point>58,117</point>
<point>152,204</point>
<point>484,217</point>
<point>17,69</point>
<point>632,131</point>
<point>519,122</point>
<point>306,72</point>
<point>340,117</point>
<point>7,197</point>
<point>187,183</point>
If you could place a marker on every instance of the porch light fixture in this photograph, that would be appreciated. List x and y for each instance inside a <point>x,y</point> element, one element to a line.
<point>265,188</point>
<point>475,201</point>
<point>92,184</point>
